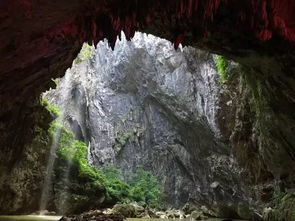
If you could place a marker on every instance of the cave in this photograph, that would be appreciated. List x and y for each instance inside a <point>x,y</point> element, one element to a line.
<point>194,95</point>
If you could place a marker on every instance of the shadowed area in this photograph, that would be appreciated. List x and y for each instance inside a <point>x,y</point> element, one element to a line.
<point>39,40</point>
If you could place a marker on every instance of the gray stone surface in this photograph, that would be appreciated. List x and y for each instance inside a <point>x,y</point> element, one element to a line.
<point>146,105</point>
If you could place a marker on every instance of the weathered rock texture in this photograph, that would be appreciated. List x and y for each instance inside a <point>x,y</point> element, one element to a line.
<point>22,168</point>
<point>146,105</point>
<point>39,39</point>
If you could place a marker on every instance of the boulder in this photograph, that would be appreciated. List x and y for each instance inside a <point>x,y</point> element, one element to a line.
<point>198,215</point>
<point>188,208</point>
<point>208,212</point>
<point>161,215</point>
<point>108,211</point>
<point>126,210</point>
<point>138,209</point>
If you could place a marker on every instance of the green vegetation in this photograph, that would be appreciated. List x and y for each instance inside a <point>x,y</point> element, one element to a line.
<point>142,188</point>
<point>222,68</point>
<point>74,152</point>
<point>85,53</point>
<point>145,188</point>
<point>86,184</point>
<point>278,196</point>
<point>122,140</point>
<point>124,137</point>
<point>284,207</point>
<point>116,187</point>
<point>51,108</point>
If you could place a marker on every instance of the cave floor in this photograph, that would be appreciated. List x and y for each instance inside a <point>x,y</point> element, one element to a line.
<point>56,218</point>
<point>30,218</point>
<point>136,219</point>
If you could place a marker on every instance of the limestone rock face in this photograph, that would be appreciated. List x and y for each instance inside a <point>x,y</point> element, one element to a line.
<point>39,40</point>
<point>21,180</point>
<point>146,105</point>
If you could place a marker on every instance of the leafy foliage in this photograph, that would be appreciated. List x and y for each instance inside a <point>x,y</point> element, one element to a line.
<point>85,53</point>
<point>145,188</point>
<point>142,187</point>
<point>116,187</point>
<point>51,108</point>
<point>222,68</point>
<point>74,152</point>
<point>123,139</point>
<point>88,181</point>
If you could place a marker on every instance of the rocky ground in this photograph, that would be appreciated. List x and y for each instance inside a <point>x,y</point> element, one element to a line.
<point>93,216</point>
<point>49,35</point>
<point>123,211</point>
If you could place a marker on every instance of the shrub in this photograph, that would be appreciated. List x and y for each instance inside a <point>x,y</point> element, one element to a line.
<point>222,68</point>
<point>51,108</point>
<point>74,152</point>
<point>123,139</point>
<point>116,187</point>
<point>85,53</point>
<point>145,188</point>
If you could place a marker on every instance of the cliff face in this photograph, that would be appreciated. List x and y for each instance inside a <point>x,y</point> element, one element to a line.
<point>146,105</point>
<point>22,168</point>
<point>39,40</point>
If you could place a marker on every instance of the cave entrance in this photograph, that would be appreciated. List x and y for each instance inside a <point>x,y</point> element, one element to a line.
<point>138,124</point>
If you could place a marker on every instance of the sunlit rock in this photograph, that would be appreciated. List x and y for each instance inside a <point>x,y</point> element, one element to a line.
<point>144,104</point>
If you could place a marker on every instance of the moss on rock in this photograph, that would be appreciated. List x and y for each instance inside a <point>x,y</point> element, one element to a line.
<point>284,210</point>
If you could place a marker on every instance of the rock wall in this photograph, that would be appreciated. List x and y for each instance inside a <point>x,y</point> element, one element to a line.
<point>146,105</point>
<point>22,168</point>
<point>39,40</point>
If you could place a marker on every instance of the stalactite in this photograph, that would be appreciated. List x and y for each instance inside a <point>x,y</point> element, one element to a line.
<point>283,18</point>
<point>263,19</point>
<point>178,40</point>
<point>26,6</point>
